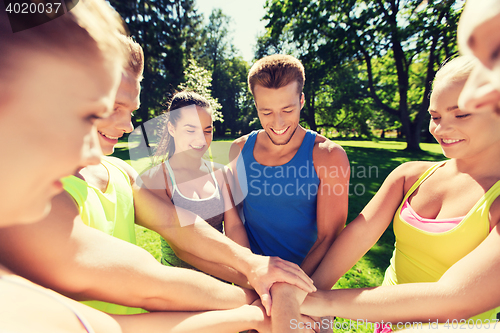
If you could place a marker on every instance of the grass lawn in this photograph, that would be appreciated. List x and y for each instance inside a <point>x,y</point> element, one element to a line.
<point>371,162</point>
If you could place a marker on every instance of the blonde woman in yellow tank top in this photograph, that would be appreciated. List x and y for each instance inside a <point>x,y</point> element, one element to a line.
<point>441,213</point>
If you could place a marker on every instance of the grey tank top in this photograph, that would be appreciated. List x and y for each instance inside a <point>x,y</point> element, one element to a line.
<point>211,209</point>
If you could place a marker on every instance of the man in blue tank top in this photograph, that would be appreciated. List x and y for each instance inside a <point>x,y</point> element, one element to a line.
<point>293,182</point>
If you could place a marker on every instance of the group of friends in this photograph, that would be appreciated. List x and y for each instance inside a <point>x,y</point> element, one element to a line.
<point>253,245</point>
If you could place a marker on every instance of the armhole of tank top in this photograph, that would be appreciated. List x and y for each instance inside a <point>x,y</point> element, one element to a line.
<point>108,170</point>
<point>420,180</point>
<point>118,168</point>
<point>251,140</point>
<point>169,173</point>
<point>312,136</point>
<point>73,192</point>
<point>489,197</point>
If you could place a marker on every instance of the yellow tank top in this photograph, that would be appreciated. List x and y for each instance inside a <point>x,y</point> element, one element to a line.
<point>111,211</point>
<point>421,256</point>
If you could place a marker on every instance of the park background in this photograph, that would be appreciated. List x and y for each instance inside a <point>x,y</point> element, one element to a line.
<point>369,67</point>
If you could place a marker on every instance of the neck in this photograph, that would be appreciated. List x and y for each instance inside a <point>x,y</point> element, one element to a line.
<point>295,140</point>
<point>486,164</point>
<point>185,161</point>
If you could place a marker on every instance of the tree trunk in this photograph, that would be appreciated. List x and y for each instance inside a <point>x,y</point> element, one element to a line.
<point>413,138</point>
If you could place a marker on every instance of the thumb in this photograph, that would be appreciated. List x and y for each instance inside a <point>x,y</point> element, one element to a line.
<point>266,302</point>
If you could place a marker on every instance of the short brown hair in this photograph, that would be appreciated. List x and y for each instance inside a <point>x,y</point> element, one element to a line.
<point>276,71</point>
<point>135,62</point>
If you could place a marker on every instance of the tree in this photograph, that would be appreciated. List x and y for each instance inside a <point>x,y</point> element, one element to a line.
<point>229,71</point>
<point>410,35</point>
<point>167,30</point>
<point>199,80</point>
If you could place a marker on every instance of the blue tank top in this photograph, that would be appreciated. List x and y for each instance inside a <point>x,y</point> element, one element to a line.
<point>280,202</point>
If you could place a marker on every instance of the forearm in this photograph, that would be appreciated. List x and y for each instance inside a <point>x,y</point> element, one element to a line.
<point>85,263</point>
<point>235,320</point>
<point>135,278</point>
<point>315,256</point>
<point>215,269</point>
<point>188,232</point>
<point>286,307</point>
<point>400,303</point>
<point>238,234</point>
<point>352,243</point>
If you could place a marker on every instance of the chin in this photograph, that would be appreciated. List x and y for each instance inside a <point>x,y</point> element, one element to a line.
<point>108,151</point>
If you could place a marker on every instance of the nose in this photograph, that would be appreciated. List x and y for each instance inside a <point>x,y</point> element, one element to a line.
<point>279,122</point>
<point>200,138</point>
<point>479,90</point>
<point>125,122</point>
<point>91,150</point>
<point>444,126</point>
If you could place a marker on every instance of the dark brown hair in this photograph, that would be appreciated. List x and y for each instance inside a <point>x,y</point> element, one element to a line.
<point>276,71</point>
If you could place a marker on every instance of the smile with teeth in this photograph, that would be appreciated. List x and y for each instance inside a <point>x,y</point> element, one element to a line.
<point>197,147</point>
<point>108,136</point>
<point>449,141</point>
<point>279,132</point>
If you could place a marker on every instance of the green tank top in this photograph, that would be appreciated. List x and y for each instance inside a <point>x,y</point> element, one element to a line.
<point>111,211</point>
<point>422,256</point>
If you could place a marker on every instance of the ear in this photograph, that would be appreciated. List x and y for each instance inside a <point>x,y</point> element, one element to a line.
<point>171,129</point>
<point>302,100</point>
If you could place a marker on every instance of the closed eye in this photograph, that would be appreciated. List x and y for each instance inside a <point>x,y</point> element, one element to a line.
<point>93,117</point>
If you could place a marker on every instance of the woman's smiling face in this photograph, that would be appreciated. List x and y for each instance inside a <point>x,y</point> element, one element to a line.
<point>461,133</point>
<point>193,131</point>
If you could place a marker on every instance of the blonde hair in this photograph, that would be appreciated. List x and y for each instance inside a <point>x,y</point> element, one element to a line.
<point>276,71</point>
<point>456,70</point>
<point>92,28</point>
<point>135,63</point>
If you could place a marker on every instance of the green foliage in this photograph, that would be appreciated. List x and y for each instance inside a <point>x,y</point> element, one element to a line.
<point>391,48</point>
<point>229,72</point>
<point>167,30</point>
<point>199,80</point>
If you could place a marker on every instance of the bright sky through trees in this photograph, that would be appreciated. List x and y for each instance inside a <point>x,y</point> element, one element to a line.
<point>246,21</point>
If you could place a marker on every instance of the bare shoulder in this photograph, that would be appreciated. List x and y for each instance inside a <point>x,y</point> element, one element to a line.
<point>237,146</point>
<point>409,172</point>
<point>328,152</point>
<point>153,178</point>
<point>413,169</point>
<point>124,166</point>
